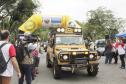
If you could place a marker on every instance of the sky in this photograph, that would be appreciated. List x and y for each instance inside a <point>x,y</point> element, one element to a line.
<point>78,9</point>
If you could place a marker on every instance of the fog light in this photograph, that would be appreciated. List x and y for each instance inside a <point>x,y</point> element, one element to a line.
<point>85,52</point>
<point>74,53</point>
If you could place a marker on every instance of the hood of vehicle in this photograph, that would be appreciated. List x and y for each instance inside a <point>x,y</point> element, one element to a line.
<point>70,48</point>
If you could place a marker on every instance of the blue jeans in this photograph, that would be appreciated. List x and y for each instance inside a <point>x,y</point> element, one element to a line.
<point>26,70</point>
<point>108,58</point>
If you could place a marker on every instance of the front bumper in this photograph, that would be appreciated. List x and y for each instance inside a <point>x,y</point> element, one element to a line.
<point>79,59</point>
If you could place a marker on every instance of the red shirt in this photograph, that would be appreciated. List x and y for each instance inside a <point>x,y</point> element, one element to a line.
<point>12,51</point>
<point>35,53</point>
<point>117,44</point>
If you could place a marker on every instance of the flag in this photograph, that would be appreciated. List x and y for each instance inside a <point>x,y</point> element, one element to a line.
<point>33,23</point>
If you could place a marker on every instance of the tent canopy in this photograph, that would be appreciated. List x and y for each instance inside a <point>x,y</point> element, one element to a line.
<point>120,35</point>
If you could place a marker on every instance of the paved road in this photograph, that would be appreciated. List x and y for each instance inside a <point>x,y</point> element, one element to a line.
<point>108,74</point>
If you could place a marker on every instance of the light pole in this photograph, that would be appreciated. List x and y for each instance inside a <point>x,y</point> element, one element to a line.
<point>94,34</point>
<point>109,31</point>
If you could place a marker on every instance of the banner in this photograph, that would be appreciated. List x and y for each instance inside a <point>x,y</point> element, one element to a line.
<point>55,21</point>
<point>37,21</point>
<point>33,23</point>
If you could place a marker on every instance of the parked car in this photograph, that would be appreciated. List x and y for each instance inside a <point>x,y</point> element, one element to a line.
<point>100,46</point>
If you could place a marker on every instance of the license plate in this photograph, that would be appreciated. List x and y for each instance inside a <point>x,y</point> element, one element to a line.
<point>81,61</point>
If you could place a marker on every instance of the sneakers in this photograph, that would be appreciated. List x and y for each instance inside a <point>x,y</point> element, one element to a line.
<point>122,67</point>
<point>115,63</point>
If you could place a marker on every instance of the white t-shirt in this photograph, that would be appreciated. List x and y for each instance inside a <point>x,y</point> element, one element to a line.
<point>121,50</point>
<point>5,49</point>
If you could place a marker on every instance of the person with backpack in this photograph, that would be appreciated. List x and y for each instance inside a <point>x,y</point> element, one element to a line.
<point>7,58</point>
<point>26,62</point>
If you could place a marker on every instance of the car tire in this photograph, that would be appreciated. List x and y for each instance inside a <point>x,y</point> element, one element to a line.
<point>92,70</point>
<point>56,70</point>
<point>48,62</point>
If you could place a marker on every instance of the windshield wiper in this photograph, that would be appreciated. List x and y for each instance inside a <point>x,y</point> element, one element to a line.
<point>73,43</point>
<point>61,43</point>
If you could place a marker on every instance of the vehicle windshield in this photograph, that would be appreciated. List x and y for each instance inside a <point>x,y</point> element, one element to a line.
<point>69,40</point>
<point>101,44</point>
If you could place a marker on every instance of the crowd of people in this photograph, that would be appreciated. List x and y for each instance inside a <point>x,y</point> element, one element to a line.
<point>25,67</point>
<point>115,49</point>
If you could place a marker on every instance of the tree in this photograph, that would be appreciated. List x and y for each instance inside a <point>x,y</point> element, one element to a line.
<point>101,22</point>
<point>13,13</point>
<point>21,10</point>
<point>6,7</point>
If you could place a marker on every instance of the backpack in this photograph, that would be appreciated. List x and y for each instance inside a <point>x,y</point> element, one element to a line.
<point>3,63</point>
<point>35,53</point>
<point>19,53</point>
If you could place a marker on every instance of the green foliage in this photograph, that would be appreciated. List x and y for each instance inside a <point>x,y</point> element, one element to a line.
<point>101,22</point>
<point>24,10</point>
<point>6,7</point>
<point>13,13</point>
<point>43,33</point>
<point>17,12</point>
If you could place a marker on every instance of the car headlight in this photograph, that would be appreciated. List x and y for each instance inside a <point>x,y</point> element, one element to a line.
<point>77,30</point>
<point>91,56</point>
<point>44,45</point>
<point>65,57</point>
<point>58,30</point>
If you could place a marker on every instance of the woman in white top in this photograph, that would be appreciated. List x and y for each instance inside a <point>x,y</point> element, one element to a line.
<point>121,52</point>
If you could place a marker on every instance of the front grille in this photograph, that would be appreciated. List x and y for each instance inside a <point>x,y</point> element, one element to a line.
<point>78,59</point>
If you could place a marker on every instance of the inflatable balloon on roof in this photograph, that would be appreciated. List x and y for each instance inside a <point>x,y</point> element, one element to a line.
<point>37,21</point>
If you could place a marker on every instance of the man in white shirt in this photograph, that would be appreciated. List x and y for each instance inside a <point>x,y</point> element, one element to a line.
<point>8,51</point>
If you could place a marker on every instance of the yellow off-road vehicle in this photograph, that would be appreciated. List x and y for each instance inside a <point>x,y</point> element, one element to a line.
<point>66,51</point>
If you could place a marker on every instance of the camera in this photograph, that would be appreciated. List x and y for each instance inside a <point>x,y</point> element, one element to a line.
<point>27,38</point>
